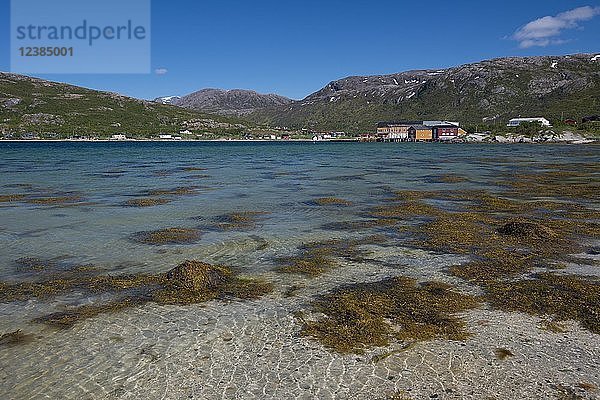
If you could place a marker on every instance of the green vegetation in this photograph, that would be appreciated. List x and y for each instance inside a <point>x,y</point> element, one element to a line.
<point>56,110</point>
<point>482,96</point>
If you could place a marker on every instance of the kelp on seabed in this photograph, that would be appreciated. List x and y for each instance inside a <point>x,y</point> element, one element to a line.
<point>238,221</point>
<point>366,315</point>
<point>537,223</point>
<point>316,258</point>
<point>189,283</point>
<point>164,236</point>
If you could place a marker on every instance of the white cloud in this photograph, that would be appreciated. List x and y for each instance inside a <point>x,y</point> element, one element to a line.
<point>545,31</point>
<point>161,71</point>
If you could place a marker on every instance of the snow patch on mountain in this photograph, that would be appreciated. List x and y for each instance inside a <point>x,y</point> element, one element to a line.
<point>167,99</point>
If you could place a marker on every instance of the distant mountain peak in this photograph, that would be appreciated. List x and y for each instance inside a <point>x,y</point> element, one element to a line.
<point>228,102</point>
<point>167,100</point>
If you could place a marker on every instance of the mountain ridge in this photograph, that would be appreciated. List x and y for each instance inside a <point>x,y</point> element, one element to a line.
<point>226,101</point>
<point>487,91</point>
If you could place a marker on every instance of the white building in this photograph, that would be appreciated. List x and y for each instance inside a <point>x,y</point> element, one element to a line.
<point>118,137</point>
<point>518,121</point>
<point>165,136</point>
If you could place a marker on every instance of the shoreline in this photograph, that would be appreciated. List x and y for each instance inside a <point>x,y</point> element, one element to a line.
<point>576,142</point>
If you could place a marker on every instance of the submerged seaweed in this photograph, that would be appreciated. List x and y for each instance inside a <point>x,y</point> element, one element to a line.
<point>178,191</point>
<point>188,283</point>
<point>238,221</point>
<point>564,297</point>
<point>15,338</point>
<point>363,316</point>
<point>146,202</point>
<point>316,258</point>
<point>330,201</point>
<point>55,200</point>
<point>168,236</point>
<point>7,198</point>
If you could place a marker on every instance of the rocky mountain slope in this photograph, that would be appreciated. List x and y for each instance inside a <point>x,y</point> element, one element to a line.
<point>490,91</point>
<point>167,100</point>
<point>227,102</point>
<point>38,106</point>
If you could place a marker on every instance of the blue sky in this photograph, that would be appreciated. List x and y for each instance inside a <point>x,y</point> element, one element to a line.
<point>296,47</point>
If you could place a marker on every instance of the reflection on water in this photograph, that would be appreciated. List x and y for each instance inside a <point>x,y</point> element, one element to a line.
<point>252,204</point>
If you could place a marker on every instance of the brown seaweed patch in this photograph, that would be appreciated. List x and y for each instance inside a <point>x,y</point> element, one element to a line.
<point>504,264</point>
<point>522,228</point>
<point>564,297</point>
<point>46,268</point>
<point>15,338</point>
<point>178,191</point>
<point>330,201</point>
<point>502,353</point>
<point>66,319</point>
<point>450,178</point>
<point>576,184</point>
<point>146,202</point>
<point>33,264</point>
<point>73,280</point>
<point>587,386</point>
<point>55,200</point>
<point>168,236</point>
<point>359,225</point>
<point>8,198</point>
<point>188,283</point>
<point>405,211</point>
<point>413,195</point>
<point>238,221</point>
<point>553,326</point>
<point>317,258</point>
<point>368,315</point>
<point>247,288</point>
<point>460,233</point>
<point>195,282</point>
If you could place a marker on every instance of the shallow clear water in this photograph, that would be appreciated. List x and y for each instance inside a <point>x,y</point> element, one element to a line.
<point>173,352</point>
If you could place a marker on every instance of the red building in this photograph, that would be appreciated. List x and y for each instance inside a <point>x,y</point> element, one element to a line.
<point>445,132</point>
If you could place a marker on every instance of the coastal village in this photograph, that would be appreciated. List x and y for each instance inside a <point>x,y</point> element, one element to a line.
<point>391,131</point>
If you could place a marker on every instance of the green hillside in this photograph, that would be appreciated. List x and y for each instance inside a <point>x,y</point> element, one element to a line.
<point>38,106</point>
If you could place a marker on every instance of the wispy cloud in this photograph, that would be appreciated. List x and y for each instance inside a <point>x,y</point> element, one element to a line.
<point>547,30</point>
<point>161,71</point>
